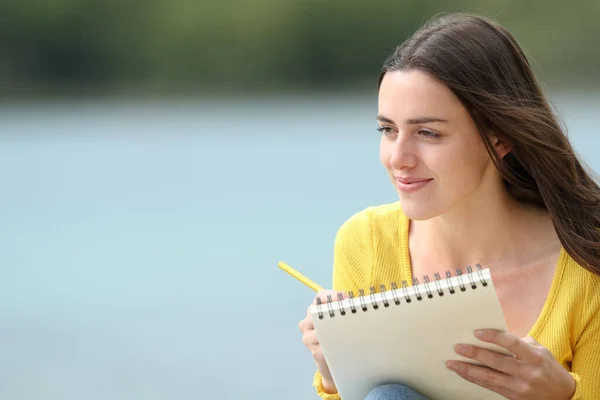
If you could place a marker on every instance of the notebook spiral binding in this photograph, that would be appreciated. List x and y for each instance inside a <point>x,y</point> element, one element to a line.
<point>418,292</point>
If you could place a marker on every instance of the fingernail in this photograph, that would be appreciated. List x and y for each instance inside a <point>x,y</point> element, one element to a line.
<point>451,365</point>
<point>461,349</point>
<point>479,333</point>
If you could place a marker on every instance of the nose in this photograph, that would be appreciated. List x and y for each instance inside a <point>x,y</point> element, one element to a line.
<point>402,154</point>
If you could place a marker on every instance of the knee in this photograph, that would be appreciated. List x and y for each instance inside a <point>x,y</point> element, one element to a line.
<point>392,392</point>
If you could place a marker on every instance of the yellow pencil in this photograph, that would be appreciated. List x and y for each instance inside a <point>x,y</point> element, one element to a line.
<point>299,276</point>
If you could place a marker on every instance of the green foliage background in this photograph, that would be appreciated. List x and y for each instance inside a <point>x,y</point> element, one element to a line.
<point>254,45</point>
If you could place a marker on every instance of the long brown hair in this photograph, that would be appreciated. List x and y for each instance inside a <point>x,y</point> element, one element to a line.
<point>484,66</point>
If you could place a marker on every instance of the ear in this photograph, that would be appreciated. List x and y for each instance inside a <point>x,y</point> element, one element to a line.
<point>501,146</point>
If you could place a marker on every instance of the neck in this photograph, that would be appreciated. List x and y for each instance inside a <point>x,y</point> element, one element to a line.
<point>493,230</point>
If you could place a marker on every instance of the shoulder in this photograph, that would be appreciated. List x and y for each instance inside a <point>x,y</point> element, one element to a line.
<point>372,220</point>
<point>378,229</point>
<point>361,241</point>
<point>581,288</point>
<point>579,277</point>
<point>583,285</point>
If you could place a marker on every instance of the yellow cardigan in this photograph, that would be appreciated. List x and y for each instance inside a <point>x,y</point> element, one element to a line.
<point>371,248</point>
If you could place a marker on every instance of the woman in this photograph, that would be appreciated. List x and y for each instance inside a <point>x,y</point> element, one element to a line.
<point>483,172</point>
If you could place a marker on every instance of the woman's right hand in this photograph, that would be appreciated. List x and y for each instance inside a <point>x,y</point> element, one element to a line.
<point>309,338</point>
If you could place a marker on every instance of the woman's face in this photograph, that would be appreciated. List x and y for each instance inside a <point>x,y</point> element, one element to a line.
<point>430,145</point>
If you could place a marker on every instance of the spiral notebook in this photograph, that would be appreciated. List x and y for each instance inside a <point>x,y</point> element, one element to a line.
<point>404,334</point>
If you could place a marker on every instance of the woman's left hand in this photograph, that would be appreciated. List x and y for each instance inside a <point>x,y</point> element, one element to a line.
<point>531,372</point>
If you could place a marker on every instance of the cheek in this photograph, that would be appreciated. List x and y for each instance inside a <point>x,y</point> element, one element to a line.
<point>458,163</point>
<point>465,170</point>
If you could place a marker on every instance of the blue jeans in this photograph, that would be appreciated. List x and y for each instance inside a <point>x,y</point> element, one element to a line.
<point>394,392</point>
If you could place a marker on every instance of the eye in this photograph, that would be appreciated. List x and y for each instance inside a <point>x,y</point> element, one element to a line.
<point>429,134</point>
<point>386,130</point>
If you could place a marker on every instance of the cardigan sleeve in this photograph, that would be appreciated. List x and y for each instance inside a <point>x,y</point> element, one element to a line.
<point>585,367</point>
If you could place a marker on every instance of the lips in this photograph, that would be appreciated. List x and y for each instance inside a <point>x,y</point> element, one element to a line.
<point>411,184</point>
<point>408,181</point>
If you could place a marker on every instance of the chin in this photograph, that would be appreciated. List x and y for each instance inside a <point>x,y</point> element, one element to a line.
<point>418,211</point>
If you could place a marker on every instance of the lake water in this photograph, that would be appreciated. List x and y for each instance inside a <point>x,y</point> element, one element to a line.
<point>139,241</point>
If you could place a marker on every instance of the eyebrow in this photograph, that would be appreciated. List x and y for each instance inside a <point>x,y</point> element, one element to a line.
<point>413,121</point>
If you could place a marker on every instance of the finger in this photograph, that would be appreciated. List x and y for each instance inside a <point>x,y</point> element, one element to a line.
<point>306,324</point>
<point>512,343</point>
<point>495,381</point>
<point>310,340</point>
<point>309,311</point>
<point>489,358</point>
